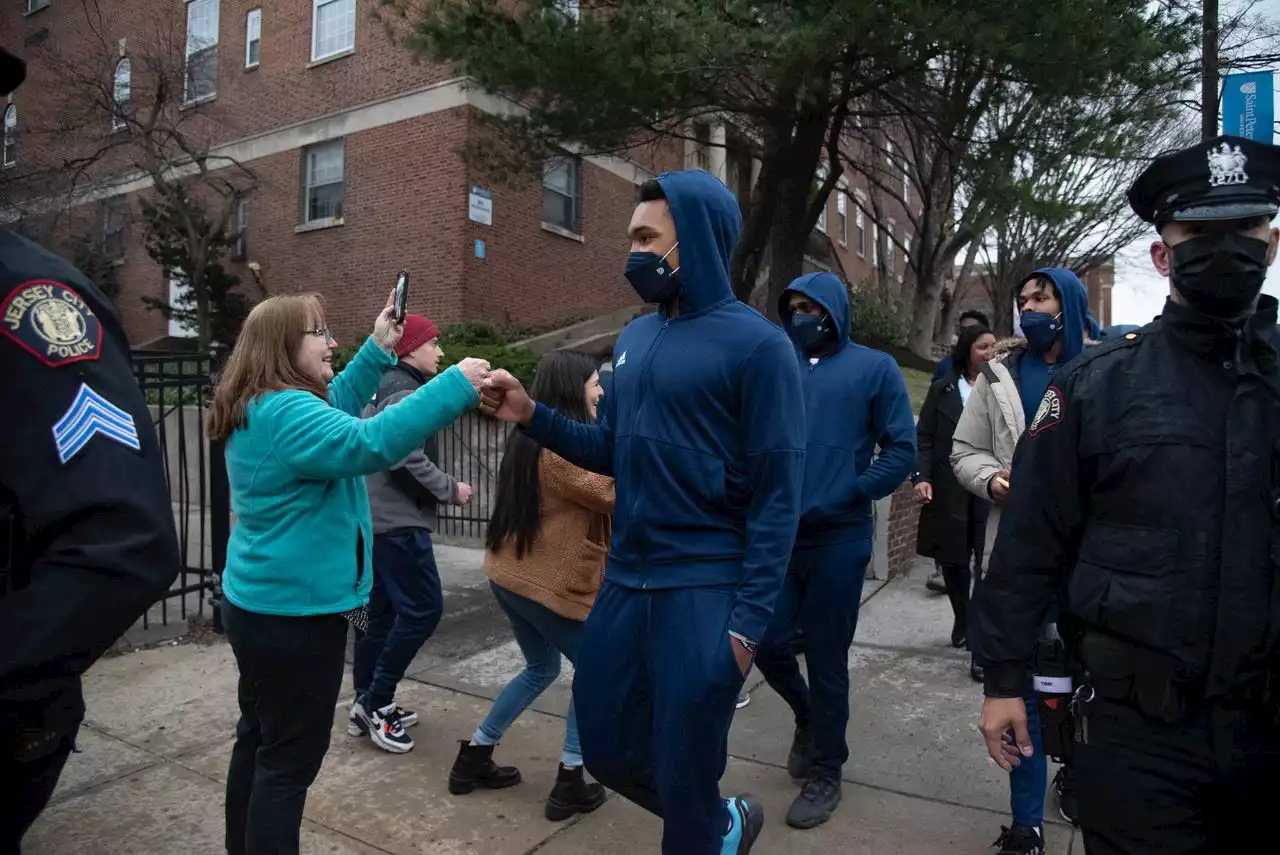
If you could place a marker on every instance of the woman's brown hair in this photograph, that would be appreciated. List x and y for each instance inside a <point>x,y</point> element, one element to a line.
<point>262,360</point>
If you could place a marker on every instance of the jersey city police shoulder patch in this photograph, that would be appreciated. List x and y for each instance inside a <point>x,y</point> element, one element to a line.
<point>1050,412</point>
<point>52,322</point>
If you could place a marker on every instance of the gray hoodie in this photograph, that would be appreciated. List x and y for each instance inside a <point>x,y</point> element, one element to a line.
<point>405,496</point>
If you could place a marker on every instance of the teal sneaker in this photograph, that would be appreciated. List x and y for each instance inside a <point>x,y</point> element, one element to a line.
<point>746,820</point>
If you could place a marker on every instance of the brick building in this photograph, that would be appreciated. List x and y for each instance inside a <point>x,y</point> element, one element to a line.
<point>973,292</point>
<point>355,150</point>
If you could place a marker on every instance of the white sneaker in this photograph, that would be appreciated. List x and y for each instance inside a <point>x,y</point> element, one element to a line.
<point>387,732</point>
<point>357,720</point>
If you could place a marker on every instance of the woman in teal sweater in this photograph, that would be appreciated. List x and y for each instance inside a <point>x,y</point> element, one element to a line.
<point>299,557</point>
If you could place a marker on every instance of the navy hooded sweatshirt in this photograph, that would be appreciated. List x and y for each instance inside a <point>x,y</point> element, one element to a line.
<point>1034,374</point>
<point>703,428</point>
<point>855,400</point>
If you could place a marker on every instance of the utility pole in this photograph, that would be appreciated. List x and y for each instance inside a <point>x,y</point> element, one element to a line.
<point>1209,81</point>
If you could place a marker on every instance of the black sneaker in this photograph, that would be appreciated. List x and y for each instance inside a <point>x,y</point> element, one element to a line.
<point>800,757</point>
<point>1064,784</point>
<point>1020,840</point>
<point>936,583</point>
<point>815,804</point>
<point>387,732</point>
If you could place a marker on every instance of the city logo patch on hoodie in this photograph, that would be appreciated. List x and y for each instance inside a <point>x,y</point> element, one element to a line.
<point>1050,412</point>
<point>622,360</point>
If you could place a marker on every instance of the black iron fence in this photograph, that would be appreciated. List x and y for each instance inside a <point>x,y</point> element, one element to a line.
<point>470,450</point>
<point>177,388</point>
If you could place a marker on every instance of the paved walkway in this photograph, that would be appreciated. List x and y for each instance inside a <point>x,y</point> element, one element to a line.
<point>149,780</point>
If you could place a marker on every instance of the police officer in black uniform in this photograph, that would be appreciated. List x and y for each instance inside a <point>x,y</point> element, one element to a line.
<point>87,537</point>
<point>1150,481</point>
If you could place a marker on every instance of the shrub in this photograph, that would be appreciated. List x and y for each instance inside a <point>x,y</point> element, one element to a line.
<point>481,340</point>
<point>874,320</point>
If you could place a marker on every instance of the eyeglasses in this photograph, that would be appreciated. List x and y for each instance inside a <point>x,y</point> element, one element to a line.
<point>322,331</point>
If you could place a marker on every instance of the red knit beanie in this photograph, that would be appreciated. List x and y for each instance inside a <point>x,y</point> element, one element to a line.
<point>418,330</point>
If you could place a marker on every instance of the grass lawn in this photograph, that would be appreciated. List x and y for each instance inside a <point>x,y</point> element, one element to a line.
<point>917,386</point>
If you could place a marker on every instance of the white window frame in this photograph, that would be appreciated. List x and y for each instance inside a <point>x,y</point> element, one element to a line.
<point>576,226</point>
<point>842,215</point>
<point>819,178</point>
<point>308,187</point>
<point>121,93</point>
<point>116,205</point>
<point>860,227</point>
<point>906,186</point>
<point>341,50</point>
<point>252,36</point>
<point>240,249</point>
<point>212,47</point>
<point>9,142</point>
<point>890,251</point>
<point>875,245</point>
<point>36,5</point>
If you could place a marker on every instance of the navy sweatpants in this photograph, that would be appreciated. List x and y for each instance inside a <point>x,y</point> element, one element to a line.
<point>655,689</point>
<point>820,596</point>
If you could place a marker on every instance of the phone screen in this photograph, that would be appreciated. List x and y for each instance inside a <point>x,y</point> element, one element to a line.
<point>402,295</point>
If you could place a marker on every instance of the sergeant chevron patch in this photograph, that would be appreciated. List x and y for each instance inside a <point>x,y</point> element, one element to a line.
<point>91,414</point>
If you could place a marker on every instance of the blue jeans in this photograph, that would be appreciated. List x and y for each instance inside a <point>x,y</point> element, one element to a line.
<point>820,596</point>
<point>1029,780</point>
<point>543,636</point>
<point>405,607</point>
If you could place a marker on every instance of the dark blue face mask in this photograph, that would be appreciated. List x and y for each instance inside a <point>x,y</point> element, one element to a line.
<point>1041,330</point>
<point>807,332</point>
<point>652,277</point>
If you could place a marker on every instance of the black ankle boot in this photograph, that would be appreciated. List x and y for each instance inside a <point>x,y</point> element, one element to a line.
<point>475,768</point>
<point>572,794</point>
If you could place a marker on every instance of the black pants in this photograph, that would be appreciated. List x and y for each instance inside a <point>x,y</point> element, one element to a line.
<point>290,676</point>
<point>35,741</point>
<point>28,786</point>
<point>1204,786</point>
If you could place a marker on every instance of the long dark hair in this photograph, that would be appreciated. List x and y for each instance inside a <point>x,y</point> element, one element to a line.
<point>559,382</point>
<point>963,351</point>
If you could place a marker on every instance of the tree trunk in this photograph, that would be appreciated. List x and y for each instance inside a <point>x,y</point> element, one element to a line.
<point>924,312</point>
<point>1209,82</point>
<point>195,281</point>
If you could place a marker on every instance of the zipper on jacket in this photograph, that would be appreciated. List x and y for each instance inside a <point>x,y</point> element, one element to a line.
<point>631,467</point>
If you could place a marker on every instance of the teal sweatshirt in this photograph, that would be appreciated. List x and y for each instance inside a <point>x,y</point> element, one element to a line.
<point>303,538</point>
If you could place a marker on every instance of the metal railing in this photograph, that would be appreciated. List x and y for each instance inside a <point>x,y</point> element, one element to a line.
<point>470,450</point>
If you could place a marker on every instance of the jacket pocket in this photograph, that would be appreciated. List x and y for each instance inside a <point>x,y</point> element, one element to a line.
<point>586,568</point>
<point>1128,582</point>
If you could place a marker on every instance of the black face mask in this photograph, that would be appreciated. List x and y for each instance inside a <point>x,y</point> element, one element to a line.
<point>1220,274</point>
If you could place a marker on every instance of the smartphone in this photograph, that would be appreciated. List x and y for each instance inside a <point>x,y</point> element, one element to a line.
<point>1002,482</point>
<point>402,295</point>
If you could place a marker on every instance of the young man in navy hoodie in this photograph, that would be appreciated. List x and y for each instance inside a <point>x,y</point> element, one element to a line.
<point>855,401</point>
<point>704,432</point>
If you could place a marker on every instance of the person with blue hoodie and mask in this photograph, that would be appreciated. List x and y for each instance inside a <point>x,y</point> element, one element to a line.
<point>704,433</point>
<point>1053,314</point>
<point>855,402</point>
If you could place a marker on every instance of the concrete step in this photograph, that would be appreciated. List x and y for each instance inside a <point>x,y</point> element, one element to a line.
<point>602,325</point>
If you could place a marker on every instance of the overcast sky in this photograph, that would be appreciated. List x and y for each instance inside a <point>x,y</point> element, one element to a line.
<point>1139,292</point>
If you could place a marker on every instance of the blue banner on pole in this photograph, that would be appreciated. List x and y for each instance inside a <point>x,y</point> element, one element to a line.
<point>1249,106</point>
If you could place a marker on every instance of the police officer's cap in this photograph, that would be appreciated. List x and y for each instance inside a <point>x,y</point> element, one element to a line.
<point>1225,178</point>
<point>12,72</point>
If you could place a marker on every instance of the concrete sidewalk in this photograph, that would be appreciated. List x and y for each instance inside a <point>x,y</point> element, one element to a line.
<point>149,780</point>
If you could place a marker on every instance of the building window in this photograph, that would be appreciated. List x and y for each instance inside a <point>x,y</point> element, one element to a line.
<point>333,28</point>
<point>562,193</point>
<point>9,155</point>
<point>252,38</point>
<point>322,182</point>
<point>122,93</point>
<point>571,9</point>
<point>202,51</point>
<point>115,219</point>
<point>842,217</point>
<point>860,230</point>
<point>702,146</point>
<point>875,246</point>
<point>906,186</point>
<point>36,5</point>
<point>240,248</point>
<point>889,249</point>
<point>819,179</point>
<point>180,301</point>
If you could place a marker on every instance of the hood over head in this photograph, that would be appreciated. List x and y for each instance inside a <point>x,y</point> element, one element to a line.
<point>828,291</point>
<point>708,221</point>
<point>1075,307</point>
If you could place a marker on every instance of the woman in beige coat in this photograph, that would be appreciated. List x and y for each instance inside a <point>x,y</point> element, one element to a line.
<point>547,544</point>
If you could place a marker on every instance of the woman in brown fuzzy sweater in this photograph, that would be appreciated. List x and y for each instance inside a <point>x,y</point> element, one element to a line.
<point>547,544</point>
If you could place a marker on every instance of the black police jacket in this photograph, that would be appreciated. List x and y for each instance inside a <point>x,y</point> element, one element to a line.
<point>1149,478</point>
<point>89,541</point>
